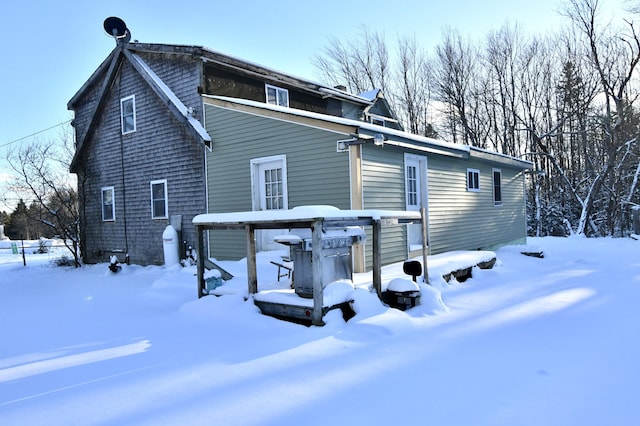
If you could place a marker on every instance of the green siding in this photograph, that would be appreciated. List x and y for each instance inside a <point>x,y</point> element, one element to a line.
<point>458,219</point>
<point>316,173</point>
<point>462,220</point>
<point>383,188</point>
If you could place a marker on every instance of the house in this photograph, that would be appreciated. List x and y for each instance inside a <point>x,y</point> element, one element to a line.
<point>142,150</point>
<point>266,156</point>
<point>166,132</point>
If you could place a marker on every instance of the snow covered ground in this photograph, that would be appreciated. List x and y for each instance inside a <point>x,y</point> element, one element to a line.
<point>552,341</point>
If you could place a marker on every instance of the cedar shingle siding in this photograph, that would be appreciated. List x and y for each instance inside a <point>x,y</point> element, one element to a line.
<point>160,148</point>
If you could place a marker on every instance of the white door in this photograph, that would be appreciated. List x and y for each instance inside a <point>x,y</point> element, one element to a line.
<point>269,183</point>
<point>271,186</point>
<point>415,195</point>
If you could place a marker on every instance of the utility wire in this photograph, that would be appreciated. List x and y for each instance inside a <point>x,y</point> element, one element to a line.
<point>35,134</point>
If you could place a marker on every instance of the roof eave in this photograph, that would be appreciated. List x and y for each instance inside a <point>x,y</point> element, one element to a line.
<point>503,159</point>
<point>238,64</point>
<point>102,68</point>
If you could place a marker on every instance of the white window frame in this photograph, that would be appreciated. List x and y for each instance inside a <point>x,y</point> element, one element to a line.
<point>166,199</point>
<point>111,190</point>
<point>278,91</point>
<point>132,98</point>
<point>377,120</point>
<point>420,163</point>
<point>473,185</point>
<point>497,195</point>
<point>409,192</point>
<point>258,203</point>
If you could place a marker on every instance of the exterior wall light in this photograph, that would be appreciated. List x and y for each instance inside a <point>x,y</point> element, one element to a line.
<point>343,145</point>
<point>377,139</point>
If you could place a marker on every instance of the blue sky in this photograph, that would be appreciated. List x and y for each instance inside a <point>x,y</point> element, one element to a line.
<point>50,48</point>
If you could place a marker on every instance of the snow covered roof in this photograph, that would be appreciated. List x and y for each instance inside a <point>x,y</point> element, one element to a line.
<point>371,94</point>
<point>300,214</point>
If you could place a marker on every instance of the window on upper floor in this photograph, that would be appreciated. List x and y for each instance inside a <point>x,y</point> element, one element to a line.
<point>473,180</point>
<point>277,95</point>
<point>377,120</point>
<point>497,187</point>
<point>159,199</point>
<point>128,114</point>
<point>108,204</point>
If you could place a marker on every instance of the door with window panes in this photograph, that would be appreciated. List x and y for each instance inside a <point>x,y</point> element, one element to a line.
<point>415,195</point>
<point>271,185</point>
<point>269,194</point>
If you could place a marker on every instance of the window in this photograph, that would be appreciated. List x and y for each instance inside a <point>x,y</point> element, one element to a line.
<point>273,188</point>
<point>497,187</point>
<point>411,185</point>
<point>269,183</point>
<point>108,205</point>
<point>473,180</point>
<point>277,96</point>
<point>159,199</point>
<point>377,121</point>
<point>128,114</point>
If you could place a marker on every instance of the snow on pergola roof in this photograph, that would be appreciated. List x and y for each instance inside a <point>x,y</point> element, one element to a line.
<point>300,214</point>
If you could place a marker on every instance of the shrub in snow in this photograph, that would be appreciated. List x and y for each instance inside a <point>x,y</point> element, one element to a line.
<point>64,260</point>
<point>43,246</point>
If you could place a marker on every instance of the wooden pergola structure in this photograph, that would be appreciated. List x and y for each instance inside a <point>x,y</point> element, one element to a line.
<point>310,218</point>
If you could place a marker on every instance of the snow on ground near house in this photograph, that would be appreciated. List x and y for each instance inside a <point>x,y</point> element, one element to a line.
<point>552,341</point>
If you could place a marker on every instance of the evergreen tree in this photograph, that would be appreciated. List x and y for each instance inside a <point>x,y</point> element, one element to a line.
<point>18,224</point>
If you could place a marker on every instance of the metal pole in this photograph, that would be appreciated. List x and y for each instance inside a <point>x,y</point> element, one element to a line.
<point>24,259</point>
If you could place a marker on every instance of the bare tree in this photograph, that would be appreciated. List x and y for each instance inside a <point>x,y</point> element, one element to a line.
<point>454,72</point>
<point>564,101</point>
<point>502,60</point>
<point>614,54</point>
<point>41,170</point>
<point>414,80</point>
<point>360,65</point>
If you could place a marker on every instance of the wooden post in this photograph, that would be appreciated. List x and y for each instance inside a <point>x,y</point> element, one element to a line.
<point>425,243</point>
<point>252,275</point>
<point>377,272</point>
<point>316,268</point>
<point>200,261</point>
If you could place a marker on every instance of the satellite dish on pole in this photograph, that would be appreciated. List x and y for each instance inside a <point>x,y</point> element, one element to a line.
<point>117,29</point>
